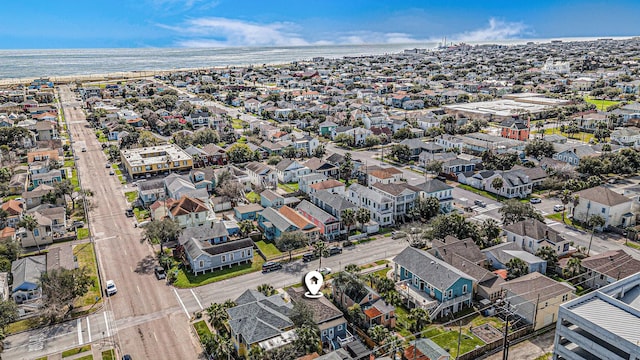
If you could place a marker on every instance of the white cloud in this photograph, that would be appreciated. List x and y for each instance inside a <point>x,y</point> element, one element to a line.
<point>497,30</point>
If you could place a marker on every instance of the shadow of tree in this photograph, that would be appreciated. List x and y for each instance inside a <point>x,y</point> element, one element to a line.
<point>145,265</point>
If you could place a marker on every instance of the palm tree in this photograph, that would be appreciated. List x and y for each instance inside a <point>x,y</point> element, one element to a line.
<point>30,223</point>
<point>576,201</point>
<point>565,197</point>
<point>548,254</point>
<point>219,346</point>
<point>573,269</point>
<point>320,249</point>
<point>348,218</point>
<point>256,353</point>
<point>246,227</point>
<point>355,314</point>
<point>594,221</point>
<point>497,184</point>
<point>352,268</point>
<point>419,318</point>
<point>266,289</point>
<point>392,298</point>
<point>217,316</point>
<point>3,218</point>
<point>228,304</point>
<point>308,339</point>
<point>363,215</point>
<point>378,333</point>
<point>516,267</point>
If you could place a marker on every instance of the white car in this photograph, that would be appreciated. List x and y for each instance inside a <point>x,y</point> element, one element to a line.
<point>111,287</point>
<point>324,270</point>
<point>558,207</point>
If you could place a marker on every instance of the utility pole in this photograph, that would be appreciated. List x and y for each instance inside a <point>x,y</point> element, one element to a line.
<point>459,337</point>
<point>505,341</point>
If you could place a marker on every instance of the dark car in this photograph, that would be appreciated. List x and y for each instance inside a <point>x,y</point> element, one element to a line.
<point>480,203</point>
<point>270,266</point>
<point>126,357</point>
<point>334,250</point>
<point>160,273</point>
<point>129,212</point>
<point>308,257</point>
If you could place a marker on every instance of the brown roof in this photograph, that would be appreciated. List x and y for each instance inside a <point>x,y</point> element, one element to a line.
<point>187,205</point>
<point>451,246</point>
<point>616,264</point>
<point>385,173</point>
<point>327,184</point>
<point>603,195</point>
<point>300,221</point>
<point>537,287</point>
<point>13,207</point>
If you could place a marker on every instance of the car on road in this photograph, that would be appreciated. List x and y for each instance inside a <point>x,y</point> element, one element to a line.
<point>112,172</point>
<point>308,257</point>
<point>129,212</point>
<point>558,207</point>
<point>270,266</point>
<point>535,200</point>
<point>612,181</point>
<point>324,270</point>
<point>84,149</point>
<point>480,203</point>
<point>334,250</point>
<point>398,234</point>
<point>78,224</point>
<point>143,223</point>
<point>107,165</point>
<point>126,357</point>
<point>160,273</point>
<point>111,288</point>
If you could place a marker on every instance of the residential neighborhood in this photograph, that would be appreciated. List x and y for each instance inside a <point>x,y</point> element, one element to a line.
<point>461,193</point>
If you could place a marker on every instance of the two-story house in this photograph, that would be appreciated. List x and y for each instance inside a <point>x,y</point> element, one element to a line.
<point>310,179</point>
<point>402,195</point>
<point>531,235</point>
<point>431,283</point>
<point>387,175</point>
<point>627,136</point>
<point>380,206</point>
<point>328,225</point>
<point>331,185</point>
<point>439,190</point>
<point>261,174</point>
<point>190,212</point>
<point>610,266</point>
<point>289,170</point>
<point>270,198</point>
<point>376,310</point>
<point>34,197</point>
<point>322,167</point>
<point>499,255</point>
<point>207,248</point>
<point>600,200</point>
<point>13,209</point>
<point>515,183</point>
<point>515,129</point>
<point>276,222</point>
<point>333,204</point>
<point>151,191</point>
<point>198,119</point>
<point>573,154</point>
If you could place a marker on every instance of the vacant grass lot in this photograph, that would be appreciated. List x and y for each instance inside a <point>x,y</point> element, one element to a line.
<point>82,233</point>
<point>86,257</point>
<point>448,340</point>
<point>202,329</point>
<point>186,279</point>
<point>581,136</point>
<point>290,187</point>
<point>268,249</point>
<point>237,124</point>
<point>601,104</point>
<point>76,351</point>
<point>141,214</point>
<point>253,197</point>
<point>131,196</point>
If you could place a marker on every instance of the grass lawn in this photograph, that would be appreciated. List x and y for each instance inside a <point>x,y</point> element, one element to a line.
<point>581,136</point>
<point>448,340</point>
<point>131,196</point>
<point>601,104</point>
<point>633,245</point>
<point>74,179</point>
<point>479,192</point>
<point>556,216</point>
<point>186,279</point>
<point>76,351</point>
<point>45,358</point>
<point>253,197</point>
<point>268,249</point>
<point>108,355</point>
<point>69,163</point>
<point>86,357</point>
<point>23,325</point>
<point>290,187</point>
<point>86,257</point>
<point>202,329</point>
<point>381,262</point>
<point>402,321</point>
<point>382,273</point>
<point>237,124</point>
<point>12,197</point>
<point>481,320</point>
<point>82,233</point>
<point>141,214</point>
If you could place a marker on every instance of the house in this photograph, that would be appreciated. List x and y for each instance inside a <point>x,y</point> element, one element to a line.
<point>26,274</point>
<point>49,178</point>
<point>428,282</point>
<point>247,212</point>
<point>207,248</point>
<point>147,161</point>
<point>375,309</point>
<point>499,255</point>
<point>600,324</point>
<point>304,142</point>
<point>276,222</point>
<point>536,298</point>
<point>198,119</point>
<point>515,129</point>
<point>515,183</point>
<point>18,183</point>
<point>51,220</point>
<point>416,146</point>
<point>261,174</point>
<point>151,191</point>
<point>42,155</point>
<point>573,154</point>
<point>384,175</point>
<point>220,203</point>
<point>450,246</point>
<point>322,167</point>
<point>608,267</point>
<point>178,186</point>
<point>439,190</point>
<point>46,130</point>
<point>262,321</point>
<point>358,134</point>
<point>531,235</point>
<point>402,195</point>
<point>34,197</point>
<point>627,136</point>
<point>13,209</point>
<point>331,185</point>
<point>380,206</point>
<point>328,225</point>
<point>425,349</point>
<point>270,198</point>
<point>600,200</point>
<point>329,319</point>
<point>306,180</point>
<point>334,204</point>
<point>326,128</point>
<point>190,212</point>
<point>289,171</point>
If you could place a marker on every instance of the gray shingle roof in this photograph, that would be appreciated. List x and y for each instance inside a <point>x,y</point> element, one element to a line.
<point>261,319</point>
<point>315,212</point>
<point>535,230</point>
<point>603,195</point>
<point>277,219</point>
<point>28,270</point>
<point>429,268</point>
<point>433,186</point>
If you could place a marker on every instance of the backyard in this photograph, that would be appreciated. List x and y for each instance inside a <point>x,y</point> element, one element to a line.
<point>253,197</point>
<point>268,249</point>
<point>131,196</point>
<point>290,187</point>
<point>582,136</point>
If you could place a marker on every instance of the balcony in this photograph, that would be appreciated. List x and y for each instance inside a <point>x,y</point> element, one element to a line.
<point>347,339</point>
<point>416,297</point>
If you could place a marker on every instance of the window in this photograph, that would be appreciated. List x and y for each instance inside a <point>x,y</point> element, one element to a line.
<point>224,258</point>
<point>242,253</point>
<point>201,264</point>
<point>339,327</point>
<point>36,232</point>
<point>450,293</point>
<point>464,289</point>
<point>603,209</point>
<point>231,257</point>
<point>249,253</point>
<point>386,316</point>
<point>565,297</point>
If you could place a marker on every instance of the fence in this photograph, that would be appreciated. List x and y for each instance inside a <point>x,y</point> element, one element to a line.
<point>479,351</point>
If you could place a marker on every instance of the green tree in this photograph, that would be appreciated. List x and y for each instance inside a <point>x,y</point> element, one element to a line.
<point>289,152</point>
<point>302,314</point>
<point>513,211</point>
<point>113,152</point>
<point>290,241</point>
<point>573,268</point>
<point>320,250</point>
<point>343,140</point>
<point>549,255</point>
<point>161,232</point>
<point>497,183</point>
<point>356,315</point>
<point>218,317</point>
<point>363,215</point>
<point>307,340</point>
<point>219,346</point>
<point>454,225</point>
<point>434,167</point>
<point>516,267</point>
<point>594,222</point>
<point>539,148</point>
<point>30,223</point>
<point>402,134</point>
<point>8,314</point>
<point>419,319</point>
<point>490,231</point>
<point>346,168</point>
<point>565,196</point>
<point>266,289</point>
<point>378,334</point>
<point>348,218</point>
<point>319,151</point>
<point>239,153</point>
<point>352,268</point>
<point>246,227</point>
<point>60,287</point>
<point>371,141</point>
<point>401,153</point>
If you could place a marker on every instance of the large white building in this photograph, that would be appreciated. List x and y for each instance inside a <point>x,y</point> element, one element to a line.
<point>602,324</point>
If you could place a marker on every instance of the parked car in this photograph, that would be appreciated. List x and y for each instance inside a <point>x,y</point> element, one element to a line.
<point>160,273</point>
<point>107,165</point>
<point>77,224</point>
<point>480,203</point>
<point>398,234</point>
<point>324,270</point>
<point>270,266</point>
<point>612,181</point>
<point>111,288</point>
<point>558,207</point>
<point>334,250</point>
<point>129,212</point>
<point>126,357</point>
<point>308,257</point>
<point>112,172</point>
<point>143,223</point>
<point>535,200</point>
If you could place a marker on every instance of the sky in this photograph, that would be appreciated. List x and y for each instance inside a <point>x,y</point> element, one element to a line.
<point>67,24</point>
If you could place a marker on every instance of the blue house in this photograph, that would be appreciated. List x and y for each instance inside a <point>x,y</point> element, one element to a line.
<point>274,224</point>
<point>271,199</point>
<point>330,320</point>
<point>430,283</point>
<point>247,212</point>
<point>207,248</point>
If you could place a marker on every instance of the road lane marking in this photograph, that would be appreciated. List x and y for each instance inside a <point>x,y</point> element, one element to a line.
<point>155,337</point>
<point>137,287</point>
<point>181,303</point>
<point>198,301</point>
<point>79,323</point>
<point>106,323</point>
<point>88,329</point>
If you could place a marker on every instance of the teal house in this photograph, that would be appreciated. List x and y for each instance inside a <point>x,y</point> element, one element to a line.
<point>326,128</point>
<point>430,283</point>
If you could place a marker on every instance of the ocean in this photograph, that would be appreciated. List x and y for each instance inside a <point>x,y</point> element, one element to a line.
<point>20,64</point>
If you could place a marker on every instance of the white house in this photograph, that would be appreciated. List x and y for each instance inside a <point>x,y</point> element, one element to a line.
<point>439,190</point>
<point>599,200</point>
<point>628,136</point>
<point>515,183</point>
<point>532,234</point>
<point>379,205</point>
<point>261,174</point>
<point>289,170</point>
